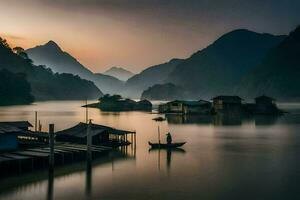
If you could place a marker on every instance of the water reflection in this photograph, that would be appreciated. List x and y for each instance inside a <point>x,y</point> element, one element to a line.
<point>221,120</point>
<point>169,153</point>
<point>50,185</point>
<point>88,180</point>
<point>257,156</point>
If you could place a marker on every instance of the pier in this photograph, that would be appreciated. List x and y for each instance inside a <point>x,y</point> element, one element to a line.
<point>38,158</point>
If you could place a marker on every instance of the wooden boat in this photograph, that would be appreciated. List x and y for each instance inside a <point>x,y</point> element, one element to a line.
<point>165,145</point>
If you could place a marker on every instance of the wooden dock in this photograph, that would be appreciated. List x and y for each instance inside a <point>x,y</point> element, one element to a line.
<point>30,159</point>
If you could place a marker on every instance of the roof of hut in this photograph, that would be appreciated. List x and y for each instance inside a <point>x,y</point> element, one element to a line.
<point>80,130</point>
<point>13,127</point>
<point>227,98</point>
<point>264,97</point>
<point>5,128</point>
<point>18,124</point>
<point>191,103</point>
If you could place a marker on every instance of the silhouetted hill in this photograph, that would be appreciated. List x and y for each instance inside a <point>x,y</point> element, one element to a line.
<point>44,83</point>
<point>219,67</point>
<point>14,88</point>
<point>153,75</point>
<point>278,74</point>
<point>59,61</point>
<point>119,73</point>
<point>113,85</point>
<point>167,92</point>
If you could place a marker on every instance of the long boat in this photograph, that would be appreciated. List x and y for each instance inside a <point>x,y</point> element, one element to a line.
<point>165,145</point>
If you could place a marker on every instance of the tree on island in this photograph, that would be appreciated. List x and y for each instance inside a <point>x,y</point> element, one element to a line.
<point>110,98</point>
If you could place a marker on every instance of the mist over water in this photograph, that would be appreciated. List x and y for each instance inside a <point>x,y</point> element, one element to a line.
<point>224,158</point>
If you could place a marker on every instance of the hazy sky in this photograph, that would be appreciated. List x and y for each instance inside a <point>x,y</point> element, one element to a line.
<point>138,33</point>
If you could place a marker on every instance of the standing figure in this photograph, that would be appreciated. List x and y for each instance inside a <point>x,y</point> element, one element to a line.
<point>169,138</point>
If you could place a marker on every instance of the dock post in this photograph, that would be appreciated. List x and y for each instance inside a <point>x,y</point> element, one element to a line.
<point>89,142</point>
<point>51,146</point>
<point>35,121</point>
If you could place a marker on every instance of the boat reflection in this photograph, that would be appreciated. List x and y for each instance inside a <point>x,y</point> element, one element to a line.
<point>222,120</point>
<point>169,153</point>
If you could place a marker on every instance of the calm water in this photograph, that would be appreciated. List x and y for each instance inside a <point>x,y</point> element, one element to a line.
<point>224,158</point>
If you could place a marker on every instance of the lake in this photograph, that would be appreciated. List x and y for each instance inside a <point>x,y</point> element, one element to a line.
<point>224,158</point>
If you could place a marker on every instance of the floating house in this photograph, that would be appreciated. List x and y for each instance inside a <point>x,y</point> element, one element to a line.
<point>16,134</point>
<point>8,137</point>
<point>227,104</point>
<point>263,105</point>
<point>101,135</point>
<point>186,107</point>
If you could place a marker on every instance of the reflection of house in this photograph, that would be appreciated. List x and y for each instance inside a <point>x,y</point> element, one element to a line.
<point>186,107</point>
<point>227,104</point>
<point>188,119</point>
<point>100,134</point>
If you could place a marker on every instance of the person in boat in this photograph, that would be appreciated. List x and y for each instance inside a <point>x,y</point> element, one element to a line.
<point>169,138</point>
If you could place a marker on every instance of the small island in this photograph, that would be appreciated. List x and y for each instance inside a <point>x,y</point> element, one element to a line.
<point>116,103</point>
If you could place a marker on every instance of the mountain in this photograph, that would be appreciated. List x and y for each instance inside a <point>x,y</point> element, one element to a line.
<point>166,92</point>
<point>278,74</point>
<point>153,75</point>
<point>218,68</point>
<point>112,84</point>
<point>14,89</point>
<point>119,73</point>
<point>52,56</point>
<point>46,85</point>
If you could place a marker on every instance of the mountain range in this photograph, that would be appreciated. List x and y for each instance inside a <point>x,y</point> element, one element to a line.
<point>52,56</point>
<point>119,73</point>
<point>240,62</point>
<point>278,74</point>
<point>157,74</point>
<point>218,68</point>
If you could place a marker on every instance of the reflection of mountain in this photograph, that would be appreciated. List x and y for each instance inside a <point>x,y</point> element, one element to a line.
<point>221,120</point>
<point>189,119</point>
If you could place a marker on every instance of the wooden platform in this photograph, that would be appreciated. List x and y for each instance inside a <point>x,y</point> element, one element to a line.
<point>37,158</point>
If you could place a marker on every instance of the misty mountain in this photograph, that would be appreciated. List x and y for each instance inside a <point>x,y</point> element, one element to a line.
<point>52,56</point>
<point>166,92</point>
<point>153,75</point>
<point>112,84</point>
<point>119,73</point>
<point>278,74</point>
<point>218,68</point>
<point>46,85</point>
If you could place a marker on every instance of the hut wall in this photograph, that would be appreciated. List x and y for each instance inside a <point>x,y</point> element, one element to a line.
<point>8,142</point>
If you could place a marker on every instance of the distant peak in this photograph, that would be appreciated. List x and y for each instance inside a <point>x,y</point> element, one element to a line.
<point>52,44</point>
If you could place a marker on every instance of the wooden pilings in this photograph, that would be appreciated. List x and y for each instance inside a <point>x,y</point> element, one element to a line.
<point>35,121</point>
<point>89,142</point>
<point>51,147</point>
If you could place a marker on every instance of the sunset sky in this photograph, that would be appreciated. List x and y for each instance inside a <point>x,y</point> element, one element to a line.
<point>135,34</point>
